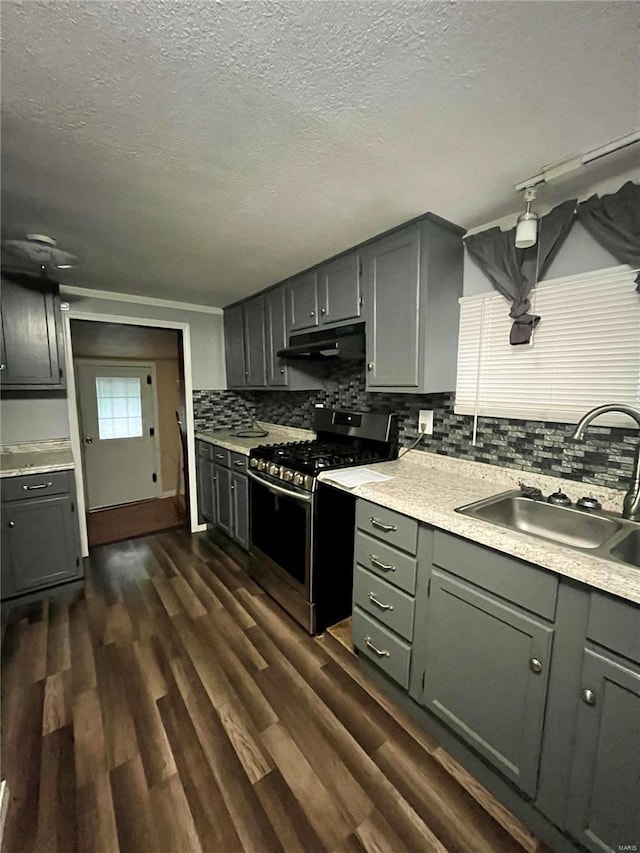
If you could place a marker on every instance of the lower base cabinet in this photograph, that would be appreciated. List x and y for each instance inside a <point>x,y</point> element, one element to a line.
<point>40,537</point>
<point>535,678</point>
<point>603,810</point>
<point>223,491</point>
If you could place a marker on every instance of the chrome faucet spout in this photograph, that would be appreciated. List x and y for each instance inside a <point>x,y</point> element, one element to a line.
<point>631,503</point>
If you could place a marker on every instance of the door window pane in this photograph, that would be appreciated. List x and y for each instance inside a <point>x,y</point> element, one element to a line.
<point>119,407</point>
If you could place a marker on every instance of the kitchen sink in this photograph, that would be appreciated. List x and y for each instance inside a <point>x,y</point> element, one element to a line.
<point>627,550</point>
<point>600,533</point>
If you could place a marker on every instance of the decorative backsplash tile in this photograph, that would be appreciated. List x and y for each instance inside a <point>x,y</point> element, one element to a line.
<point>604,457</point>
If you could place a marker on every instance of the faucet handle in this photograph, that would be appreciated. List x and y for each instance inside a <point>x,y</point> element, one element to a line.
<point>530,492</point>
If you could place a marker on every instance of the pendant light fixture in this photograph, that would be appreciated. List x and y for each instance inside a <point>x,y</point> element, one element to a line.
<point>527,227</point>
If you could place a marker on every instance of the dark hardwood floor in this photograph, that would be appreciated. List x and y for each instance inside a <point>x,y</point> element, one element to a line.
<point>175,707</point>
<point>136,519</point>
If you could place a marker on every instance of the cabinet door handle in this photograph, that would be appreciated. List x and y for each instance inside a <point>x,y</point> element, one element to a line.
<point>233,488</point>
<point>535,665</point>
<point>388,528</point>
<point>382,653</point>
<point>380,604</point>
<point>323,310</point>
<point>39,486</point>
<point>2,366</point>
<point>370,366</point>
<point>588,696</point>
<point>386,567</point>
<point>312,313</point>
<point>282,370</point>
<point>11,524</point>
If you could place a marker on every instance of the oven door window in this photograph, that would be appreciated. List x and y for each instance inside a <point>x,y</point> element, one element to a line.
<point>280,528</point>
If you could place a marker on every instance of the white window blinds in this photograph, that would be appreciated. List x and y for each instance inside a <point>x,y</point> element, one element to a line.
<point>585,352</point>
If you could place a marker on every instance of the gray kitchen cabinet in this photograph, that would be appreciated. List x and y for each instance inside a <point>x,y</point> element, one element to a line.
<point>255,343</point>
<point>486,675</point>
<point>234,346</point>
<point>222,490</point>
<point>40,539</point>
<point>604,793</point>
<point>276,328</point>
<point>204,481</point>
<point>339,289</point>
<point>412,280</point>
<point>31,341</point>
<point>302,299</point>
<point>254,332</point>
<point>240,508</point>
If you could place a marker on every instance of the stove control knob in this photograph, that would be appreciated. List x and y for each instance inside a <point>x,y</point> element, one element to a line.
<point>288,476</point>
<point>262,465</point>
<point>274,470</point>
<point>253,463</point>
<point>298,479</point>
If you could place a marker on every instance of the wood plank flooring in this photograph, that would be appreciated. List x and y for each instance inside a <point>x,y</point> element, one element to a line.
<point>175,707</point>
<point>136,519</point>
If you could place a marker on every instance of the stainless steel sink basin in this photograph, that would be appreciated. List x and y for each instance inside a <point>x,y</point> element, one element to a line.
<point>627,550</point>
<point>564,525</point>
<point>602,534</point>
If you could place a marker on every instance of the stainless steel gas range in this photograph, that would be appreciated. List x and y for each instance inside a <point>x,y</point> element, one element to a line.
<point>301,531</point>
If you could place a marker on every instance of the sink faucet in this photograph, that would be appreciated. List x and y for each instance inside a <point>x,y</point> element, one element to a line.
<point>631,503</point>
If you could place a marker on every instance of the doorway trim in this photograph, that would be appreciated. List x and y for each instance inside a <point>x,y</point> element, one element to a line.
<point>72,408</point>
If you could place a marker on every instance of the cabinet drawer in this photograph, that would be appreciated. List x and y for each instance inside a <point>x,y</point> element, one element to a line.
<point>381,646</point>
<point>395,567</point>
<point>221,456</point>
<point>615,624</point>
<point>387,525</point>
<point>532,588</point>
<point>239,461</point>
<point>36,485</point>
<point>387,604</point>
<point>205,450</point>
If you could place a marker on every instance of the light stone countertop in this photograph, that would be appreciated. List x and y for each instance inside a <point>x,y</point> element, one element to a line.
<point>36,457</point>
<point>278,434</point>
<point>429,487</point>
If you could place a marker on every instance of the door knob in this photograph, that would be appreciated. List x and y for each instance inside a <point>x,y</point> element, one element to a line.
<point>88,439</point>
<point>535,665</point>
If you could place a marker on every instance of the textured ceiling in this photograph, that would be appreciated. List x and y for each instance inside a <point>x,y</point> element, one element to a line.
<point>200,151</point>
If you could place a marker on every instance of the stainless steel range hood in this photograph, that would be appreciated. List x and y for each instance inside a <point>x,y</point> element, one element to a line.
<point>325,344</point>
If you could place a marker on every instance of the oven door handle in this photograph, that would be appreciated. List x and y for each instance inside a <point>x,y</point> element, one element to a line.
<point>278,490</point>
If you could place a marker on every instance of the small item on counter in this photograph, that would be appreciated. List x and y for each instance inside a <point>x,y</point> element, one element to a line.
<point>559,499</point>
<point>530,492</point>
<point>588,503</point>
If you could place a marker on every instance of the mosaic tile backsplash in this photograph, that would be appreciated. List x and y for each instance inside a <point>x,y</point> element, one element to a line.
<point>604,457</point>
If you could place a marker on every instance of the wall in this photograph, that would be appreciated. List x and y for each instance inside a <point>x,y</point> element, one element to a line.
<point>207,337</point>
<point>34,419</point>
<point>604,457</point>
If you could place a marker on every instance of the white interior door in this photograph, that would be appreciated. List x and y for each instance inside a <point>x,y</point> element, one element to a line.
<point>117,416</point>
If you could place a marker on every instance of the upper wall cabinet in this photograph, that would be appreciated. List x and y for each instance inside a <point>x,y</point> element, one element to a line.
<point>339,289</point>
<point>412,280</point>
<point>234,346</point>
<point>31,343</point>
<point>254,332</point>
<point>327,295</point>
<point>302,294</point>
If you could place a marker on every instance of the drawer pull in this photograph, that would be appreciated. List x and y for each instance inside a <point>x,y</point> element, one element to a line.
<point>220,455</point>
<point>385,567</point>
<point>381,653</point>
<point>239,464</point>
<point>388,528</point>
<point>374,600</point>
<point>39,486</point>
